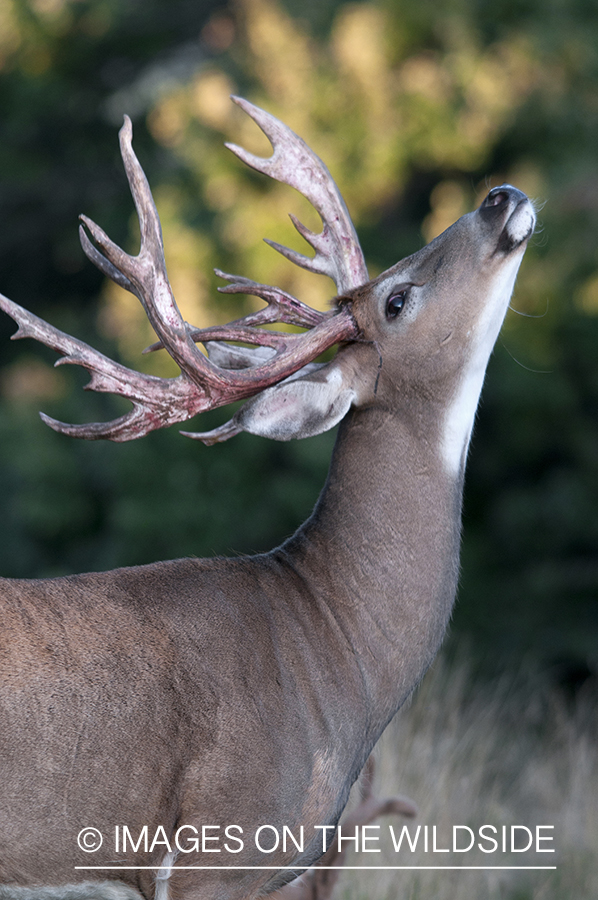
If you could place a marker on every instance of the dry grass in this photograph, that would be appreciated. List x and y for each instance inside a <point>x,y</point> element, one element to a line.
<point>510,753</point>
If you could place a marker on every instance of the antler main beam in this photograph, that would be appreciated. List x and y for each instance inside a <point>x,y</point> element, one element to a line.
<point>202,384</point>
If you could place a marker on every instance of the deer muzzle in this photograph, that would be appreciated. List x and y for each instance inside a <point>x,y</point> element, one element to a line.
<point>516,209</point>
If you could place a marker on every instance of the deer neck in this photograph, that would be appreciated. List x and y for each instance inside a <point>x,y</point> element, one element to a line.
<point>381,548</point>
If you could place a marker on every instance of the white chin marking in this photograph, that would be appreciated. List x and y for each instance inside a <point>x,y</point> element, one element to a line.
<point>460,415</point>
<point>521,223</point>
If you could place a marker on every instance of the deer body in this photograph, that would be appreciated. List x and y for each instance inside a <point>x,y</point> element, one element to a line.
<point>311,649</point>
<point>250,691</point>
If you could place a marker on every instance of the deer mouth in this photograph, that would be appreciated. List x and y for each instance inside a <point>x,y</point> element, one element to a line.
<point>511,206</point>
<point>518,228</point>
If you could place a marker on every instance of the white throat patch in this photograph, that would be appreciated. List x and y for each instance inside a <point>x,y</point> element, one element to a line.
<point>460,415</point>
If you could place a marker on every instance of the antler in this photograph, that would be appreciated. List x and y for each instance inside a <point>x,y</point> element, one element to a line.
<point>241,373</point>
<point>338,253</point>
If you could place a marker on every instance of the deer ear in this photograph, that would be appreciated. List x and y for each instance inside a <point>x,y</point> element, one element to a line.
<point>310,402</point>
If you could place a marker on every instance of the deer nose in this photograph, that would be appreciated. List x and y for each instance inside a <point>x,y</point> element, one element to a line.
<point>499,196</point>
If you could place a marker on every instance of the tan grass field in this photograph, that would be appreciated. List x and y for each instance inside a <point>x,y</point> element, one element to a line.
<point>512,752</point>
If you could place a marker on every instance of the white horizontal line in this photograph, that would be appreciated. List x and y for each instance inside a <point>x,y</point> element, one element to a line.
<point>304,868</point>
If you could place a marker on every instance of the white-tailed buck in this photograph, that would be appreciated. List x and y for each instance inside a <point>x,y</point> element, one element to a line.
<point>184,701</point>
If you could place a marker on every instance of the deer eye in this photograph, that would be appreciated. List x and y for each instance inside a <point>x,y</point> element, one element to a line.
<point>396,303</point>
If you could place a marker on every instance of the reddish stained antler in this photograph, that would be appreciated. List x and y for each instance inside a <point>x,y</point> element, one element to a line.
<point>338,253</point>
<point>242,373</point>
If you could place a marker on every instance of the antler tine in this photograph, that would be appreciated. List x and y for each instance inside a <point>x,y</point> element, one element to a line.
<point>281,307</point>
<point>338,253</point>
<point>157,402</point>
<point>284,306</point>
<point>145,275</point>
<point>93,254</point>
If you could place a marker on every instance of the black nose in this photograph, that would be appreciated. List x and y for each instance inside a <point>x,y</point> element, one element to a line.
<point>499,196</point>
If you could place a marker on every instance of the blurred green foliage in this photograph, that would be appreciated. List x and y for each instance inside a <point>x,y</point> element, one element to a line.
<point>417,107</point>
